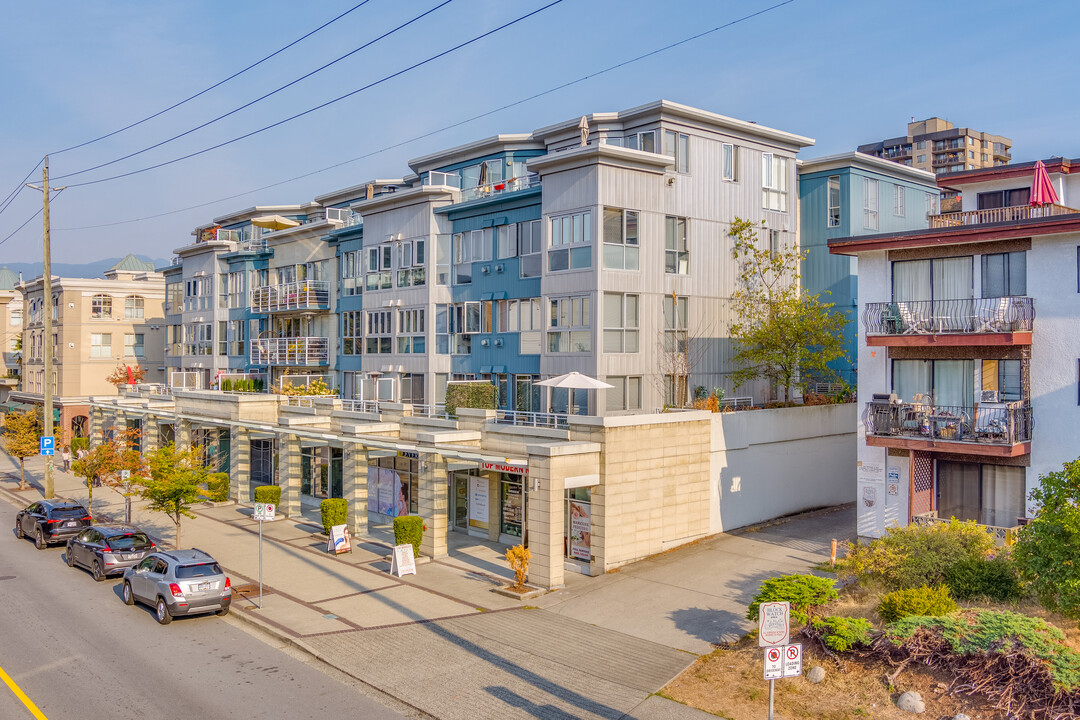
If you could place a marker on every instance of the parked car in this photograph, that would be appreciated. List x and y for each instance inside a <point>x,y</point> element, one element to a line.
<point>51,521</point>
<point>178,582</point>
<point>108,549</point>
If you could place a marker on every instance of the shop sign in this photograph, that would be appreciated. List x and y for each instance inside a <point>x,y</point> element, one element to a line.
<point>403,563</point>
<point>478,501</point>
<point>580,531</point>
<point>339,540</point>
<point>408,454</point>
<point>505,467</point>
<point>774,624</point>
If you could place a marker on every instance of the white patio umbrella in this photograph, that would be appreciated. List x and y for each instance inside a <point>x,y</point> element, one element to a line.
<point>576,381</point>
<point>274,222</point>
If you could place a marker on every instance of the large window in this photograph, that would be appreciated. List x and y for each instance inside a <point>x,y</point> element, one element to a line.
<point>412,259</point>
<point>351,271</point>
<point>379,332</point>
<point>134,307</point>
<point>17,316</point>
<point>237,337</point>
<point>641,141</point>
<point>469,247</point>
<point>570,325</point>
<point>100,345</point>
<point>625,393</point>
<point>443,255</point>
<point>571,242</point>
<point>506,241</point>
<point>620,323</point>
<point>379,274</point>
<point>411,331</point>
<point>677,147</point>
<point>1004,274</point>
<point>676,322</point>
<point>1003,198</point>
<point>238,289</point>
<point>988,494</point>
<point>730,162</point>
<point>834,201</point>
<point>101,306</point>
<point>352,330</point>
<point>949,384</point>
<point>870,204</point>
<point>174,297</point>
<point>676,250</point>
<point>1004,377</point>
<point>530,248</point>
<point>620,239</point>
<point>774,182</point>
<point>133,345</point>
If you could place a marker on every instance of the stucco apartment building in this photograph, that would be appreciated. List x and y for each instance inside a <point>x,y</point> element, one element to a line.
<point>938,146</point>
<point>98,326</point>
<point>11,327</point>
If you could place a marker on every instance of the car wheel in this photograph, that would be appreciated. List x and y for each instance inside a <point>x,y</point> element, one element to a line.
<point>18,530</point>
<point>98,571</point>
<point>129,598</point>
<point>39,539</point>
<point>223,611</point>
<point>70,557</point>
<point>163,615</point>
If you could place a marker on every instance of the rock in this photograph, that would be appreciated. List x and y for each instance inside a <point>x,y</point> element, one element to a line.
<point>960,716</point>
<point>816,674</point>
<point>911,702</point>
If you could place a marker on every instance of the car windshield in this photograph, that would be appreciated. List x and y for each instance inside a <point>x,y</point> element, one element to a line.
<point>69,512</point>
<point>202,570</point>
<point>131,541</point>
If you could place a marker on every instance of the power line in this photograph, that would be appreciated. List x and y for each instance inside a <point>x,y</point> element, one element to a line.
<point>217,84</point>
<point>258,99</point>
<point>18,188</point>
<point>20,227</point>
<point>322,105</point>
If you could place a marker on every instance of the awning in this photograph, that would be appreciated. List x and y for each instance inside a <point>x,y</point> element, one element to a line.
<point>273,222</point>
<point>6,407</point>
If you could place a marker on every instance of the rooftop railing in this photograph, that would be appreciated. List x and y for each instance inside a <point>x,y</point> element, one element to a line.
<point>361,406</point>
<point>964,316</point>
<point>532,419</point>
<point>291,351</point>
<point>987,423</point>
<point>998,215</point>
<point>500,187</point>
<point>306,295</point>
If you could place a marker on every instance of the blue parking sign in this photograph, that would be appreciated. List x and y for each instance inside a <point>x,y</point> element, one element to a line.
<point>48,445</point>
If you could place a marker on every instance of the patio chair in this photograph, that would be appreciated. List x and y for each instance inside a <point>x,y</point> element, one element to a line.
<point>912,324</point>
<point>992,316</point>
<point>990,421</point>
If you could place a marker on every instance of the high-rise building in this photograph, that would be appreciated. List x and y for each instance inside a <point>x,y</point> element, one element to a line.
<point>938,146</point>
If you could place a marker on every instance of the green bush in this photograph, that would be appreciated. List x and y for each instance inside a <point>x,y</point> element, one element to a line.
<point>843,633</point>
<point>409,530</point>
<point>1045,551</point>
<point>217,487</point>
<point>915,555</point>
<point>480,395</point>
<point>79,443</point>
<point>921,601</point>
<point>993,578</point>
<point>268,494</point>
<point>804,592</point>
<point>335,511</point>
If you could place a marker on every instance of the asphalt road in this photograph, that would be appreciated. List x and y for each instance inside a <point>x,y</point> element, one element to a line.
<point>76,651</point>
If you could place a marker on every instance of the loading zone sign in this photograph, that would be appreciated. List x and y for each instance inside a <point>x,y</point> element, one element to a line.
<point>774,663</point>
<point>793,660</point>
<point>783,662</point>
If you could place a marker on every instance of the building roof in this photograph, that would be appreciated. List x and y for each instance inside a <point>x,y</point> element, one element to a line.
<point>132,264</point>
<point>8,279</point>
<point>866,162</point>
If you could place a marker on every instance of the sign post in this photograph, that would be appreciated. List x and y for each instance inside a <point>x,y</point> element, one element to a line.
<point>263,511</point>
<point>774,634</point>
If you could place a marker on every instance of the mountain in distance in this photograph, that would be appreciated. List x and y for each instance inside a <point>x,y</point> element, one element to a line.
<point>93,269</point>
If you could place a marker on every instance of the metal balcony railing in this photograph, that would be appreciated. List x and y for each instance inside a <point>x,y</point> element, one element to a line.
<point>964,316</point>
<point>1002,535</point>
<point>291,351</point>
<point>364,406</point>
<point>500,187</point>
<point>307,295</point>
<point>998,215</point>
<point>987,423</point>
<point>532,419</point>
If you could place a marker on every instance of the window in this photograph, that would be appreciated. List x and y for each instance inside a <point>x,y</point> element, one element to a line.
<point>411,264</point>
<point>1004,376</point>
<point>198,338</point>
<point>17,316</point>
<point>101,306</point>
<point>899,200</point>
<point>774,182</point>
<point>676,321</point>
<point>773,238</point>
<point>988,494</point>
<point>379,331</point>
<point>237,289</point>
<point>620,239</point>
<point>223,291</point>
<point>237,337</point>
<point>985,157</point>
<point>834,201</point>
<point>1004,274</point>
<point>100,345</point>
<point>506,241</point>
<point>625,393</point>
<point>56,307</point>
<point>571,242</point>
<point>379,276</point>
<point>469,247</point>
<point>677,147</point>
<point>951,383</point>
<point>411,331</point>
<point>1003,198</point>
<point>133,307</point>
<point>352,328</point>
<point>570,325</point>
<point>620,323</point>
<point>518,315</point>
<point>971,154</point>
<point>870,204</point>
<point>462,321</point>
<point>676,253</point>
<point>223,337</point>
<point>351,270</point>
<point>931,204</point>
<point>443,254</point>
<point>174,297</point>
<point>921,159</point>
<point>730,162</point>
<point>645,141</point>
<point>921,145</point>
<point>133,345</point>
<point>530,248</point>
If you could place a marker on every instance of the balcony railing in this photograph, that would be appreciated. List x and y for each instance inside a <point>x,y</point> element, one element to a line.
<point>307,295</point>
<point>291,351</point>
<point>998,215</point>
<point>532,419</point>
<point>965,316</point>
<point>1002,535</point>
<point>988,423</point>
<point>500,187</point>
<point>361,406</point>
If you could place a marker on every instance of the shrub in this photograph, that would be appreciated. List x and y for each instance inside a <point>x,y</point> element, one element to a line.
<point>843,633</point>
<point>268,494</point>
<point>921,601</point>
<point>217,487</point>
<point>1045,552</point>
<point>518,558</point>
<point>480,395</point>
<point>804,592</point>
<point>409,530</point>
<point>79,443</point>
<point>916,555</point>
<point>335,511</point>
<point>993,578</point>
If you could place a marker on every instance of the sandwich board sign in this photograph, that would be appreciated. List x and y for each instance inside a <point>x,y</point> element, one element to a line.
<point>403,563</point>
<point>774,624</point>
<point>792,660</point>
<point>339,540</point>
<point>774,663</point>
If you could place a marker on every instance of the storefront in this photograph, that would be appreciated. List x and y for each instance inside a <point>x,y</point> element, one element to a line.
<point>490,501</point>
<point>321,472</point>
<point>392,485</point>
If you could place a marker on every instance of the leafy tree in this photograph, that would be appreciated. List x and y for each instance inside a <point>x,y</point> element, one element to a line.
<point>22,439</point>
<point>119,376</point>
<point>104,464</point>
<point>1046,549</point>
<point>781,332</point>
<point>176,482</point>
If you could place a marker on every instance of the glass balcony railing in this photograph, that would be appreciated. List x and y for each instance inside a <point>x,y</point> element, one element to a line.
<point>500,187</point>
<point>291,351</point>
<point>966,316</point>
<point>306,295</point>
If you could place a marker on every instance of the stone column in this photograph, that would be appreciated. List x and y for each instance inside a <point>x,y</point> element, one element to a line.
<point>432,503</point>
<point>150,432</point>
<point>96,431</point>
<point>182,434</point>
<point>354,484</point>
<point>240,465</point>
<point>289,475</point>
<point>494,506</point>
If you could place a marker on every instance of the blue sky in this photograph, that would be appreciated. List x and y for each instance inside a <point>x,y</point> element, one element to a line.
<point>842,72</point>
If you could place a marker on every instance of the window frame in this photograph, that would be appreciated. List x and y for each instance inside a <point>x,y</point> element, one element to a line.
<point>870,205</point>
<point>627,334</point>
<point>899,200</point>
<point>578,226</point>
<point>622,245</point>
<point>671,245</point>
<point>101,306</point>
<point>729,162</point>
<point>576,311</point>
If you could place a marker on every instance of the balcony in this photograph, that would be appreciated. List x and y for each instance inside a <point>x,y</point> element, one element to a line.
<point>291,351</point>
<point>286,297</point>
<point>988,429</point>
<point>998,215</point>
<point>944,323</point>
<point>1002,535</point>
<point>500,187</point>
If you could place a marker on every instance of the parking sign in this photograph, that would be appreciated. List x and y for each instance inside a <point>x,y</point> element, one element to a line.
<point>264,512</point>
<point>793,660</point>
<point>774,663</point>
<point>48,445</point>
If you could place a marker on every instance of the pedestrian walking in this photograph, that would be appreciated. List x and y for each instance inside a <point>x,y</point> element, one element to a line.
<point>66,455</point>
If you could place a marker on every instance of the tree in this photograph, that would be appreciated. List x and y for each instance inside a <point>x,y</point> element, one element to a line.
<point>176,482</point>
<point>124,375</point>
<point>22,439</point>
<point>1045,551</point>
<point>679,350</point>
<point>782,333</point>
<point>104,464</point>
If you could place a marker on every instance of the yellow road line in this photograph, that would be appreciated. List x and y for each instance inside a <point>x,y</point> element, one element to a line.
<point>22,696</point>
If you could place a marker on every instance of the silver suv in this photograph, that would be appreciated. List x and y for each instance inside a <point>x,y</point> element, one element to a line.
<point>178,582</point>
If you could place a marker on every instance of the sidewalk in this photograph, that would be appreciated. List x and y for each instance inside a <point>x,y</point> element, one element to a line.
<point>442,642</point>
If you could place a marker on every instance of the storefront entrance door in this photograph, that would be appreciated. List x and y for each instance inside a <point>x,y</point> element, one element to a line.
<point>461,502</point>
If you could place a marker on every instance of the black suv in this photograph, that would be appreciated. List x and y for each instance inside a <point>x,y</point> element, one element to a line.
<point>51,521</point>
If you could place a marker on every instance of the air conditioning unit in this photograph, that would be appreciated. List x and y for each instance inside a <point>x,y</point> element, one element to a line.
<point>988,396</point>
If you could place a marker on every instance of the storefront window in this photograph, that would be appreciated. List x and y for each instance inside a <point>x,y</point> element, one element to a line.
<point>513,504</point>
<point>578,536</point>
<point>392,485</point>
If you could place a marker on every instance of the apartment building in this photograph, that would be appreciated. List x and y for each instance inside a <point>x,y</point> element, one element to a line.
<point>99,325</point>
<point>11,327</point>
<point>848,195</point>
<point>938,146</point>
<point>968,353</point>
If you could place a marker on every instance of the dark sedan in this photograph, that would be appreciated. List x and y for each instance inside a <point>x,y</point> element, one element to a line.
<point>51,521</point>
<point>108,549</point>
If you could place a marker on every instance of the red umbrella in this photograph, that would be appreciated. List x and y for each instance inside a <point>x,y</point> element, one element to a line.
<point>1042,190</point>
<point>131,376</point>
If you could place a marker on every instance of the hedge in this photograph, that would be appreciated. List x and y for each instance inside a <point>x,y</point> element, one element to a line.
<point>79,443</point>
<point>268,494</point>
<point>409,530</point>
<point>217,487</point>
<point>916,602</point>
<point>479,395</point>
<point>335,511</point>
<point>804,592</point>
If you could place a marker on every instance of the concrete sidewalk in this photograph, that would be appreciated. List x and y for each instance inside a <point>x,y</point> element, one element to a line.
<point>442,642</point>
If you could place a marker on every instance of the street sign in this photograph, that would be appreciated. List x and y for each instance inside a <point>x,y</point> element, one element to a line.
<point>774,624</point>
<point>125,474</point>
<point>264,511</point>
<point>48,445</point>
<point>793,660</point>
<point>774,663</point>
